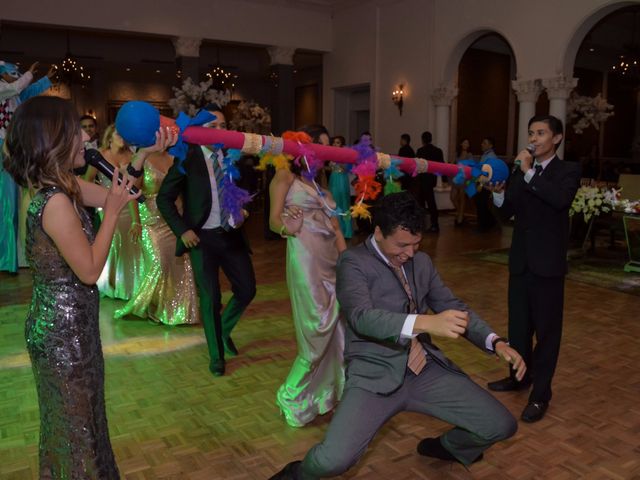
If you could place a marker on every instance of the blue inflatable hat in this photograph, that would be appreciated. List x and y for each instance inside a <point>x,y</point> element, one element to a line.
<point>137,123</point>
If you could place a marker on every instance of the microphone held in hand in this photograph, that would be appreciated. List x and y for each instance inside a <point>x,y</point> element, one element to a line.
<point>531,148</point>
<point>94,158</point>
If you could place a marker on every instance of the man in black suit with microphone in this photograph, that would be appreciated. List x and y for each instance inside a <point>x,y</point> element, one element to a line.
<point>214,240</point>
<point>539,196</point>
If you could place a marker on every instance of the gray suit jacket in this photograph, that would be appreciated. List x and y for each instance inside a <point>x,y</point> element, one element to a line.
<point>375,306</point>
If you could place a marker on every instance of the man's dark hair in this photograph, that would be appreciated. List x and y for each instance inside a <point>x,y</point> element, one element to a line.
<point>406,137</point>
<point>398,210</point>
<point>89,117</point>
<point>491,140</point>
<point>212,107</point>
<point>426,137</point>
<point>555,124</point>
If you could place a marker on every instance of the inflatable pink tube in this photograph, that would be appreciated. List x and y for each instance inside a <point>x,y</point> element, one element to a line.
<point>232,139</point>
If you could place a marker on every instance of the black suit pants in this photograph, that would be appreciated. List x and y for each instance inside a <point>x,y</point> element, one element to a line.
<point>421,187</point>
<point>227,251</point>
<point>535,307</point>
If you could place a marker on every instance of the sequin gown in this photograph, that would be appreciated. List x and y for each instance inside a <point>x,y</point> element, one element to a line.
<point>167,292</point>
<point>63,340</point>
<point>315,383</point>
<point>123,271</point>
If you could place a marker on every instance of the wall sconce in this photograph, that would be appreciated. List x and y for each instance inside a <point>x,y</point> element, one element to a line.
<point>396,97</point>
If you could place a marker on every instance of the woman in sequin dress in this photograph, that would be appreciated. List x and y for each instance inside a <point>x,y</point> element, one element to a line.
<point>44,143</point>
<point>316,379</point>
<point>123,271</point>
<point>167,293</point>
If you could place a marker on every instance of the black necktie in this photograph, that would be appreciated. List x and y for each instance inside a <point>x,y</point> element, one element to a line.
<point>538,170</point>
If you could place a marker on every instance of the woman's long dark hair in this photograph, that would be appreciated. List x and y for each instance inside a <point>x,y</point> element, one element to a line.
<point>42,140</point>
<point>459,147</point>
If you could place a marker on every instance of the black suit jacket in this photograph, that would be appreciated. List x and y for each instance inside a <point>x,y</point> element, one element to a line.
<point>195,189</point>
<point>541,209</point>
<point>406,151</point>
<point>433,154</point>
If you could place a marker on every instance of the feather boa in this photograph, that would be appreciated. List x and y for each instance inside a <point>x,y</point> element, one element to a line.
<point>233,198</point>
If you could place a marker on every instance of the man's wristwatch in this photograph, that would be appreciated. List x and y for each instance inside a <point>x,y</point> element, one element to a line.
<point>133,172</point>
<point>496,340</point>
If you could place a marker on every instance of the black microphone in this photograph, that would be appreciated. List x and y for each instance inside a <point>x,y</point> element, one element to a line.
<point>94,158</point>
<point>531,148</point>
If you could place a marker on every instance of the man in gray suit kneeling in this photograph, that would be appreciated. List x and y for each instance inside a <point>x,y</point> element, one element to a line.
<point>386,287</point>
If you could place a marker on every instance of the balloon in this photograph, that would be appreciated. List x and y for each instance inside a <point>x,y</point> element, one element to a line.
<point>137,123</point>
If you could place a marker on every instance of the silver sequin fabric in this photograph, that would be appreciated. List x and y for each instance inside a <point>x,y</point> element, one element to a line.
<point>63,340</point>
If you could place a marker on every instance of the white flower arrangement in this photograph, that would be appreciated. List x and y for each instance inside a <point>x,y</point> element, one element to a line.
<point>622,204</point>
<point>251,118</point>
<point>584,111</point>
<point>191,97</point>
<point>591,202</point>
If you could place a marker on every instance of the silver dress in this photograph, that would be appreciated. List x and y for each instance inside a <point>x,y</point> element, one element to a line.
<point>316,379</point>
<point>63,340</point>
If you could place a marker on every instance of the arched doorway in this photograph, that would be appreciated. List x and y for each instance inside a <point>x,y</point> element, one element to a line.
<point>486,104</point>
<point>605,43</point>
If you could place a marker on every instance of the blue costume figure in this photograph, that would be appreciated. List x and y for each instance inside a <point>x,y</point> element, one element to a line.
<point>14,89</point>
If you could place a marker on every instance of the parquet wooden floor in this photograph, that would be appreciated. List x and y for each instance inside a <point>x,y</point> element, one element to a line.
<point>170,419</point>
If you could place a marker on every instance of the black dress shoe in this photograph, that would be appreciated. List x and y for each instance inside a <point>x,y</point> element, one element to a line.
<point>230,348</point>
<point>508,385</point>
<point>216,367</point>
<point>534,411</point>
<point>289,472</point>
<point>431,447</point>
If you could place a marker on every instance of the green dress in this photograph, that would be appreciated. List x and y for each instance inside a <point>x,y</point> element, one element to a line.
<point>339,188</point>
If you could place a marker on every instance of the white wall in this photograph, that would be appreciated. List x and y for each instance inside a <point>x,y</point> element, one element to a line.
<point>405,56</point>
<point>229,20</point>
<point>352,60</point>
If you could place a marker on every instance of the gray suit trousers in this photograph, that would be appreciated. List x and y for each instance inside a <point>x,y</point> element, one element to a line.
<point>479,419</point>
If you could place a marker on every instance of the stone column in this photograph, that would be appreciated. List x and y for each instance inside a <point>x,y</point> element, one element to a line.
<point>442,98</point>
<point>527,92</point>
<point>188,58</point>
<point>282,91</point>
<point>558,90</point>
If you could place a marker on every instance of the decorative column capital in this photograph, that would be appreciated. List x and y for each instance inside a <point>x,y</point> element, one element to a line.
<point>559,87</point>
<point>443,95</point>
<point>527,90</point>
<point>281,55</point>
<point>187,47</point>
